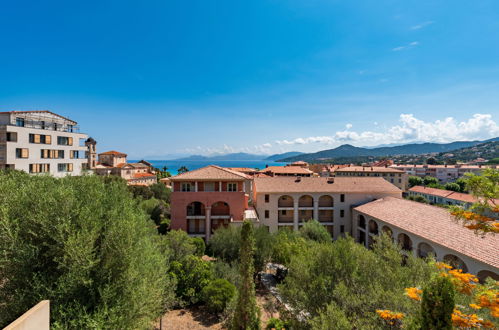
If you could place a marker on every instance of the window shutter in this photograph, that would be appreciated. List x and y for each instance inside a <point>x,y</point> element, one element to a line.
<point>70,141</point>
<point>48,139</point>
<point>70,167</point>
<point>25,153</point>
<point>37,138</point>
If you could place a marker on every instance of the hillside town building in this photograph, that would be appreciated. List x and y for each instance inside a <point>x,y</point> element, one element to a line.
<point>396,177</point>
<point>288,202</point>
<point>42,142</point>
<point>444,173</point>
<point>210,197</point>
<point>423,229</point>
<point>295,169</point>
<point>115,163</point>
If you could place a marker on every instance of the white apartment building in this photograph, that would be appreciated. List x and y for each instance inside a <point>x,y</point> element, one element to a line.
<point>444,173</point>
<point>396,177</point>
<point>288,202</point>
<point>41,142</point>
<point>423,229</point>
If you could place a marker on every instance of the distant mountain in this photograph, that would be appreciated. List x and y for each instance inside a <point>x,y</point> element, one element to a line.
<point>284,155</point>
<point>348,150</point>
<point>233,156</point>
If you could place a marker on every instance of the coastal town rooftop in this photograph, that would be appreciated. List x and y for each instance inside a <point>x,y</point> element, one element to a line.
<point>434,224</point>
<point>210,172</point>
<point>283,184</point>
<point>377,169</point>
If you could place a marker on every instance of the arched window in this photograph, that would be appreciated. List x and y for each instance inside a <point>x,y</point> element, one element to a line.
<point>373,227</point>
<point>285,201</point>
<point>387,230</point>
<point>484,274</point>
<point>425,250</point>
<point>455,262</point>
<point>195,209</point>
<point>405,242</point>
<point>326,201</point>
<point>306,201</point>
<point>361,222</point>
<point>220,208</point>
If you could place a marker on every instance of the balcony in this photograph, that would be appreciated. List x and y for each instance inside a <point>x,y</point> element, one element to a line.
<point>286,216</point>
<point>305,215</point>
<point>326,215</point>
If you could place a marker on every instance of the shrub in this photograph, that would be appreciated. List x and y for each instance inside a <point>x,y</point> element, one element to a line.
<point>192,275</point>
<point>85,245</point>
<point>437,304</point>
<point>217,294</point>
<point>277,324</point>
<point>452,186</point>
<point>315,231</point>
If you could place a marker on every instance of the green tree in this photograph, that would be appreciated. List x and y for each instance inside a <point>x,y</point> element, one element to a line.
<point>314,230</point>
<point>181,245</point>
<point>85,245</point>
<point>431,161</point>
<point>428,180</point>
<point>247,314</point>
<point>182,169</point>
<point>415,181</point>
<point>143,192</point>
<point>452,186</point>
<point>217,294</point>
<point>437,304</point>
<point>331,318</point>
<point>192,275</point>
<point>160,191</point>
<point>462,184</point>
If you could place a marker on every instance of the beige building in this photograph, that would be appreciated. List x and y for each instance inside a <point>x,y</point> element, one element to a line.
<point>115,163</point>
<point>42,142</point>
<point>396,177</point>
<point>423,229</point>
<point>444,173</point>
<point>283,202</point>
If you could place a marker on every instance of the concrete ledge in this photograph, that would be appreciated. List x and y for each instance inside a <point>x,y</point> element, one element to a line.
<point>37,318</point>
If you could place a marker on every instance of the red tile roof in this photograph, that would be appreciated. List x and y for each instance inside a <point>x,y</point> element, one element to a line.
<point>434,224</point>
<point>211,172</point>
<point>143,175</point>
<point>431,191</point>
<point>369,169</point>
<point>113,153</point>
<point>286,170</point>
<point>286,184</point>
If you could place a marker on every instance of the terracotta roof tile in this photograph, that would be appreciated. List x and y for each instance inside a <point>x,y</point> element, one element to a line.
<point>434,224</point>
<point>114,153</point>
<point>431,191</point>
<point>211,172</point>
<point>286,170</point>
<point>284,184</point>
<point>143,175</point>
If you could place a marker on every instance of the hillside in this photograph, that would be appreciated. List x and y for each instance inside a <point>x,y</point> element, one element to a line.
<point>348,151</point>
<point>284,155</point>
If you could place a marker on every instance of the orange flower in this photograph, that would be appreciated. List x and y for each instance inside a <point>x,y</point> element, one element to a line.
<point>475,306</point>
<point>414,293</point>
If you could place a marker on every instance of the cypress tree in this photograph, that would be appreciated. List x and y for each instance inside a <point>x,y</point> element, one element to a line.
<point>247,314</point>
<point>437,304</point>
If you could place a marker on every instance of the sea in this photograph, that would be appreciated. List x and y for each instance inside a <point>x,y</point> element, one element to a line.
<point>174,165</point>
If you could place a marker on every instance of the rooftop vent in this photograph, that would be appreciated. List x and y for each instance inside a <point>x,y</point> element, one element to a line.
<point>298,179</point>
<point>330,180</point>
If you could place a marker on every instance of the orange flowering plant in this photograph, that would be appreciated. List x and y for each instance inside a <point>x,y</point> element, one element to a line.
<point>482,216</point>
<point>477,305</point>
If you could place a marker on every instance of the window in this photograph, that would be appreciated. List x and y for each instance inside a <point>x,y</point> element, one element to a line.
<point>70,128</point>
<point>55,126</point>
<point>342,198</point>
<point>232,186</point>
<point>209,186</point>
<point>22,153</point>
<point>283,212</point>
<point>342,213</point>
<point>400,180</point>
<point>42,124</point>
<point>186,186</point>
<point>65,167</point>
<point>267,198</point>
<point>11,137</point>
<point>342,228</point>
<point>51,154</point>
<point>64,141</point>
<point>20,122</point>
<point>39,168</point>
<point>267,214</point>
<point>38,138</point>
<point>74,154</point>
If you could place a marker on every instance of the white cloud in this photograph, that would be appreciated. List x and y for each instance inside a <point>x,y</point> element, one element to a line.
<point>421,25</point>
<point>348,126</point>
<point>406,47</point>
<point>411,129</point>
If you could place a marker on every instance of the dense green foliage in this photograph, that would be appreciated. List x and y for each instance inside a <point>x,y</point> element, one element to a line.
<point>418,198</point>
<point>192,275</point>
<point>246,315</point>
<point>415,181</point>
<point>437,304</point>
<point>83,243</point>
<point>352,284</point>
<point>331,318</point>
<point>217,294</point>
<point>452,186</point>
<point>315,231</point>
<point>277,324</point>
<point>428,180</point>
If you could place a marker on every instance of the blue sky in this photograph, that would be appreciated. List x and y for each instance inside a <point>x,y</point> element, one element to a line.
<point>153,78</point>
